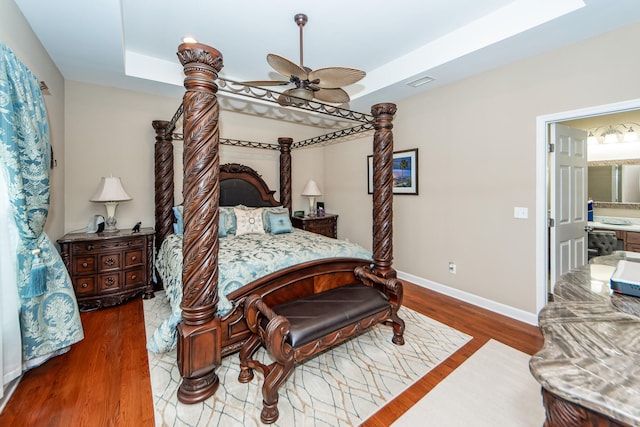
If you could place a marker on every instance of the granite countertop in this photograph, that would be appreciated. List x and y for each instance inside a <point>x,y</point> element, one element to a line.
<point>606,226</point>
<point>591,352</point>
<point>615,223</point>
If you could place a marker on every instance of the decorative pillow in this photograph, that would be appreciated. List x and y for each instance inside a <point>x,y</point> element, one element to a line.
<point>248,221</point>
<point>265,218</point>
<point>229,219</point>
<point>222,224</point>
<point>280,222</point>
<point>177,213</point>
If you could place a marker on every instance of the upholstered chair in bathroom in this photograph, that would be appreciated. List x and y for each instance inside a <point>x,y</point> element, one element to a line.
<point>602,243</point>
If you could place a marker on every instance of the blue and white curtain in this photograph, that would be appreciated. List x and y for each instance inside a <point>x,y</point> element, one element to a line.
<point>48,311</point>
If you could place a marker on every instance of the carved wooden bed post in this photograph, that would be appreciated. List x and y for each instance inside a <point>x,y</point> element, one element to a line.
<point>383,189</point>
<point>285,172</point>
<point>200,329</point>
<point>163,150</point>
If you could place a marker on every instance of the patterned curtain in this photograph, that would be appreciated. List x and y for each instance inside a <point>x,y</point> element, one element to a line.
<point>49,316</point>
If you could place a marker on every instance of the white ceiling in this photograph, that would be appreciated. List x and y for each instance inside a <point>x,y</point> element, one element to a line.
<point>132,43</point>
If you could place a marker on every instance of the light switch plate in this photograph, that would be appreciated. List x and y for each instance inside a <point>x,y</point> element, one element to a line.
<point>521,213</point>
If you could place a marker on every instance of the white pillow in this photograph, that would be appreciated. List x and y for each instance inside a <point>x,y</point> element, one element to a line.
<point>248,221</point>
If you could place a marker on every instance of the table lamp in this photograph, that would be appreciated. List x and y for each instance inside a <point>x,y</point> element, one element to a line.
<point>311,190</point>
<point>110,192</point>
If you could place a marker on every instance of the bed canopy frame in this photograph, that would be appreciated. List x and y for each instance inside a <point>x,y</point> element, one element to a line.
<point>203,336</point>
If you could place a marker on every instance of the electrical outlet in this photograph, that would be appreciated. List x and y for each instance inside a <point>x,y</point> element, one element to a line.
<point>452,267</point>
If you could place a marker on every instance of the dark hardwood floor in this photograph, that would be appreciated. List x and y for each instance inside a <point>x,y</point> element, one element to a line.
<point>104,380</point>
<point>101,381</point>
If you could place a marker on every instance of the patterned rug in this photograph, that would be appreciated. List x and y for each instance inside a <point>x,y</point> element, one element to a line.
<point>339,387</point>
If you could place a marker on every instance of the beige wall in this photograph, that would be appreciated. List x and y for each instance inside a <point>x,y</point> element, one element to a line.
<point>476,142</point>
<point>16,33</point>
<point>109,132</point>
<point>477,161</point>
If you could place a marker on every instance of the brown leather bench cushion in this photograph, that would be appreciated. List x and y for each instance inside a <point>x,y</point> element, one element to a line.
<point>317,315</point>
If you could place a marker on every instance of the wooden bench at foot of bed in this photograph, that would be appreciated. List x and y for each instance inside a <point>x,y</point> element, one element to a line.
<point>296,330</point>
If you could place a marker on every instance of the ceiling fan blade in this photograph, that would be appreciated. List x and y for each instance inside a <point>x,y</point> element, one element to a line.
<point>286,67</point>
<point>267,83</point>
<point>336,77</point>
<point>335,96</point>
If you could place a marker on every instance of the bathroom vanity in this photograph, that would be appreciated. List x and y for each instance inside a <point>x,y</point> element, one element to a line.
<point>588,367</point>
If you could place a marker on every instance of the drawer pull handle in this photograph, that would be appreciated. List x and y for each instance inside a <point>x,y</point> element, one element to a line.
<point>134,258</point>
<point>110,281</point>
<point>84,285</point>
<point>110,262</point>
<point>85,265</point>
<point>134,277</point>
<point>89,247</point>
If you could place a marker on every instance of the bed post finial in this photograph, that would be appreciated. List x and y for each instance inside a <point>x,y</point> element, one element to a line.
<point>383,189</point>
<point>200,328</point>
<point>285,172</point>
<point>163,170</point>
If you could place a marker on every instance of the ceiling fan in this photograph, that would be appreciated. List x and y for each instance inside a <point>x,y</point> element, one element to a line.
<point>323,84</point>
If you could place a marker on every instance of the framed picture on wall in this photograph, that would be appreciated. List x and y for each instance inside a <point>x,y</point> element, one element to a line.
<point>405,172</point>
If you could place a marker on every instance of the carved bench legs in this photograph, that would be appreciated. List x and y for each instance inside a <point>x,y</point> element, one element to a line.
<point>272,331</point>
<point>277,372</point>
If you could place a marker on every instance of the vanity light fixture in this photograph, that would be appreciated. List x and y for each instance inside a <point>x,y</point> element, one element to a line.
<point>611,135</point>
<point>630,135</point>
<point>622,132</point>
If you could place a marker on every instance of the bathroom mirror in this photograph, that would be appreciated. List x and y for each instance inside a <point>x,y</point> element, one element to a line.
<point>615,183</point>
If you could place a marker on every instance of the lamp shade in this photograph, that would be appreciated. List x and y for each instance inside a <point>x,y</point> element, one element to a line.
<point>311,189</point>
<point>110,190</point>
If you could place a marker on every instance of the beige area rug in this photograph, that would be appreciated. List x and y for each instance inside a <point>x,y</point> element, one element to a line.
<point>492,388</point>
<point>339,387</point>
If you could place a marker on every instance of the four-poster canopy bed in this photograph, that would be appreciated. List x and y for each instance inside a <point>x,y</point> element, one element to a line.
<point>205,335</point>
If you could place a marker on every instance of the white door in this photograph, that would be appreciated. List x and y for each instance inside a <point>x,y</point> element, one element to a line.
<point>568,200</point>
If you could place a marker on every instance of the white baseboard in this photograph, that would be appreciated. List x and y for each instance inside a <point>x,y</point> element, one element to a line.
<point>505,310</point>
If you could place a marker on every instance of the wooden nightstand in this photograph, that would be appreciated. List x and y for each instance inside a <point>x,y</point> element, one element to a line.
<point>326,225</point>
<point>109,268</point>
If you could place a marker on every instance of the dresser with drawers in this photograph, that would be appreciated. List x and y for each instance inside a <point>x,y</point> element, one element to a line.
<point>327,224</point>
<point>109,268</point>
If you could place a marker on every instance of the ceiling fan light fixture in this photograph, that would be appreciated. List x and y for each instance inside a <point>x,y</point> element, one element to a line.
<point>305,94</point>
<point>420,81</point>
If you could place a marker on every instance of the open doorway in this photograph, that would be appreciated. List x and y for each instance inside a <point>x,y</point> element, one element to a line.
<point>575,118</point>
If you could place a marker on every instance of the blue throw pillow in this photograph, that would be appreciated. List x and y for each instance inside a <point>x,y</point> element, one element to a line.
<point>177,226</point>
<point>177,213</point>
<point>229,219</point>
<point>265,218</point>
<point>279,223</point>
<point>222,224</point>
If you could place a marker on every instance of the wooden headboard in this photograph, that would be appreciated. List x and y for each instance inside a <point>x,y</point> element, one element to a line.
<point>242,185</point>
<point>238,184</point>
